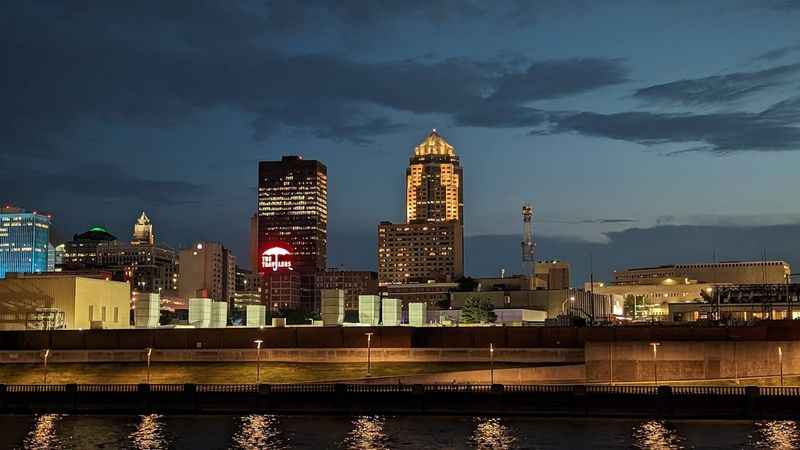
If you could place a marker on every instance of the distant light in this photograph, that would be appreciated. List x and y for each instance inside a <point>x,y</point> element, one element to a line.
<point>199,246</point>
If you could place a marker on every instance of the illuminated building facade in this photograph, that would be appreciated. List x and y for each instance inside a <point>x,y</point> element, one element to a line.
<point>434,189</point>
<point>146,265</point>
<point>736,272</point>
<point>207,270</point>
<point>430,245</point>
<point>24,241</point>
<point>420,252</point>
<point>293,209</point>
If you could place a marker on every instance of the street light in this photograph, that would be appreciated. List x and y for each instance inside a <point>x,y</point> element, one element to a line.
<point>369,351</point>
<point>149,351</point>
<point>655,360</point>
<point>258,343</point>
<point>45,354</point>
<point>564,303</point>
<point>780,361</point>
<point>491,363</point>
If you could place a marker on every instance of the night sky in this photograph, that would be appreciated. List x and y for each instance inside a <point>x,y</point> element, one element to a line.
<point>643,131</point>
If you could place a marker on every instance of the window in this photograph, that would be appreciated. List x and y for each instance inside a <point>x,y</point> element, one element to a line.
<point>103,313</point>
<point>116,314</point>
<point>91,313</point>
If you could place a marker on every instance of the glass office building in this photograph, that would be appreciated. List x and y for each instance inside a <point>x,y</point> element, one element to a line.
<point>24,241</point>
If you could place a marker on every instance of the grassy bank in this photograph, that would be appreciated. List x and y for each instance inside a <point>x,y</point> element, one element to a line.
<point>219,372</point>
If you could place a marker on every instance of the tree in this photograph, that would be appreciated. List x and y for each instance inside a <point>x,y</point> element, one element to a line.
<point>466,284</point>
<point>477,310</point>
<point>297,316</point>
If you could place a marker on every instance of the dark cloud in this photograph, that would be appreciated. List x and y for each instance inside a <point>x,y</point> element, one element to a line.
<point>590,221</point>
<point>558,78</point>
<point>778,53</point>
<point>774,129</point>
<point>99,181</point>
<point>637,247</point>
<point>155,65</point>
<point>719,89</point>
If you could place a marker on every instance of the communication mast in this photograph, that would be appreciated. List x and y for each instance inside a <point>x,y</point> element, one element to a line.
<point>528,246</point>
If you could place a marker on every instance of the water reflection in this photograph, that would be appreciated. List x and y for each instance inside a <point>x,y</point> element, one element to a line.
<point>490,433</point>
<point>44,433</point>
<point>258,432</point>
<point>367,434</point>
<point>656,435</point>
<point>776,434</point>
<point>149,433</point>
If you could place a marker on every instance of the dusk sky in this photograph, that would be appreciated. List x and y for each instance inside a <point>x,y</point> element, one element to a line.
<point>616,119</point>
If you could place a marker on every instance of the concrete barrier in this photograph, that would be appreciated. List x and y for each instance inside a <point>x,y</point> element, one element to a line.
<point>305,355</point>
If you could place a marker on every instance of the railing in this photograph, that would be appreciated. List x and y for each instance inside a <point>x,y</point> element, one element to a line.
<point>708,390</point>
<point>36,388</point>
<point>539,388</point>
<point>622,389</point>
<point>107,388</point>
<point>788,391</point>
<point>232,388</point>
<point>594,389</point>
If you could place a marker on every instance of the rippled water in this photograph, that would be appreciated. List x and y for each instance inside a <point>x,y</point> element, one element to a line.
<point>154,431</point>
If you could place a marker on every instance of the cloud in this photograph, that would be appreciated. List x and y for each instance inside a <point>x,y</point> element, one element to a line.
<point>778,53</point>
<point>92,61</point>
<point>719,89</point>
<point>99,181</point>
<point>774,129</point>
<point>558,78</point>
<point>590,221</point>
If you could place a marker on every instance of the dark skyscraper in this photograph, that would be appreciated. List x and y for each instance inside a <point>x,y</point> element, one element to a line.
<point>292,227</point>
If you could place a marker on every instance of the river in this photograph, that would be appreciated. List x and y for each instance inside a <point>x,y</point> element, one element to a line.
<point>54,431</point>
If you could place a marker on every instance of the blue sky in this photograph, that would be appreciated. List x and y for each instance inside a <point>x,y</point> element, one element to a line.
<point>608,116</point>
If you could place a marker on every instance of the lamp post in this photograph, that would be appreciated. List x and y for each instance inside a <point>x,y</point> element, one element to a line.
<point>655,360</point>
<point>45,355</point>
<point>564,303</point>
<point>780,362</point>
<point>491,363</point>
<point>369,351</point>
<point>258,343</point>
<point>149,351</point>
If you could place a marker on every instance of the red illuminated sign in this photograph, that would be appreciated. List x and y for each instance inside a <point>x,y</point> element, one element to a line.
<point>275,257</point>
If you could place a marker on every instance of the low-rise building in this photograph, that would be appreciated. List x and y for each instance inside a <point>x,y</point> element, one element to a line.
<point>352,282</point>
<point>734,272</point>
<point>63,302</point>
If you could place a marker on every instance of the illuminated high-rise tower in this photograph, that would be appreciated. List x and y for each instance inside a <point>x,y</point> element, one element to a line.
<point>434,182</point>
<point>292,229</point>
<point>430,245</point>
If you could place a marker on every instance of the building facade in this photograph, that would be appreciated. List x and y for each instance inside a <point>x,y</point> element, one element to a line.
<point>293,215</point>
<point>44,302</point>
<point>735,272</point>
<point>420,252</point>
<point>352,282</point>
<point>24,241</point>
<point>207,270</point>
<point>145,264</point>
<point>429,246</point>
<point>552,274</point>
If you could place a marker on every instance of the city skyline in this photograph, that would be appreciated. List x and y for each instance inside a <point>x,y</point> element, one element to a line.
<point>661,122</point>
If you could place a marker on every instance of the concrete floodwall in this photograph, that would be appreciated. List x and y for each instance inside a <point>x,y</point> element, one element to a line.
<point>624,361</point>
<point>300,337</point>
<point>522,375</point>
<point>294,355</point>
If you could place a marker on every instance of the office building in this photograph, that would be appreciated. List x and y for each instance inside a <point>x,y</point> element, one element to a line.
<point>420,252</point>
<point>147,265</point>
<point>24,241</point>
<point>35,302</point>
<point>735,272</point>
<point>552,275</point>
<point>430,245</point>
<point>352,282</point>
<point>207,270</point>
<point>293,216</point>
<point>143,231</point>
